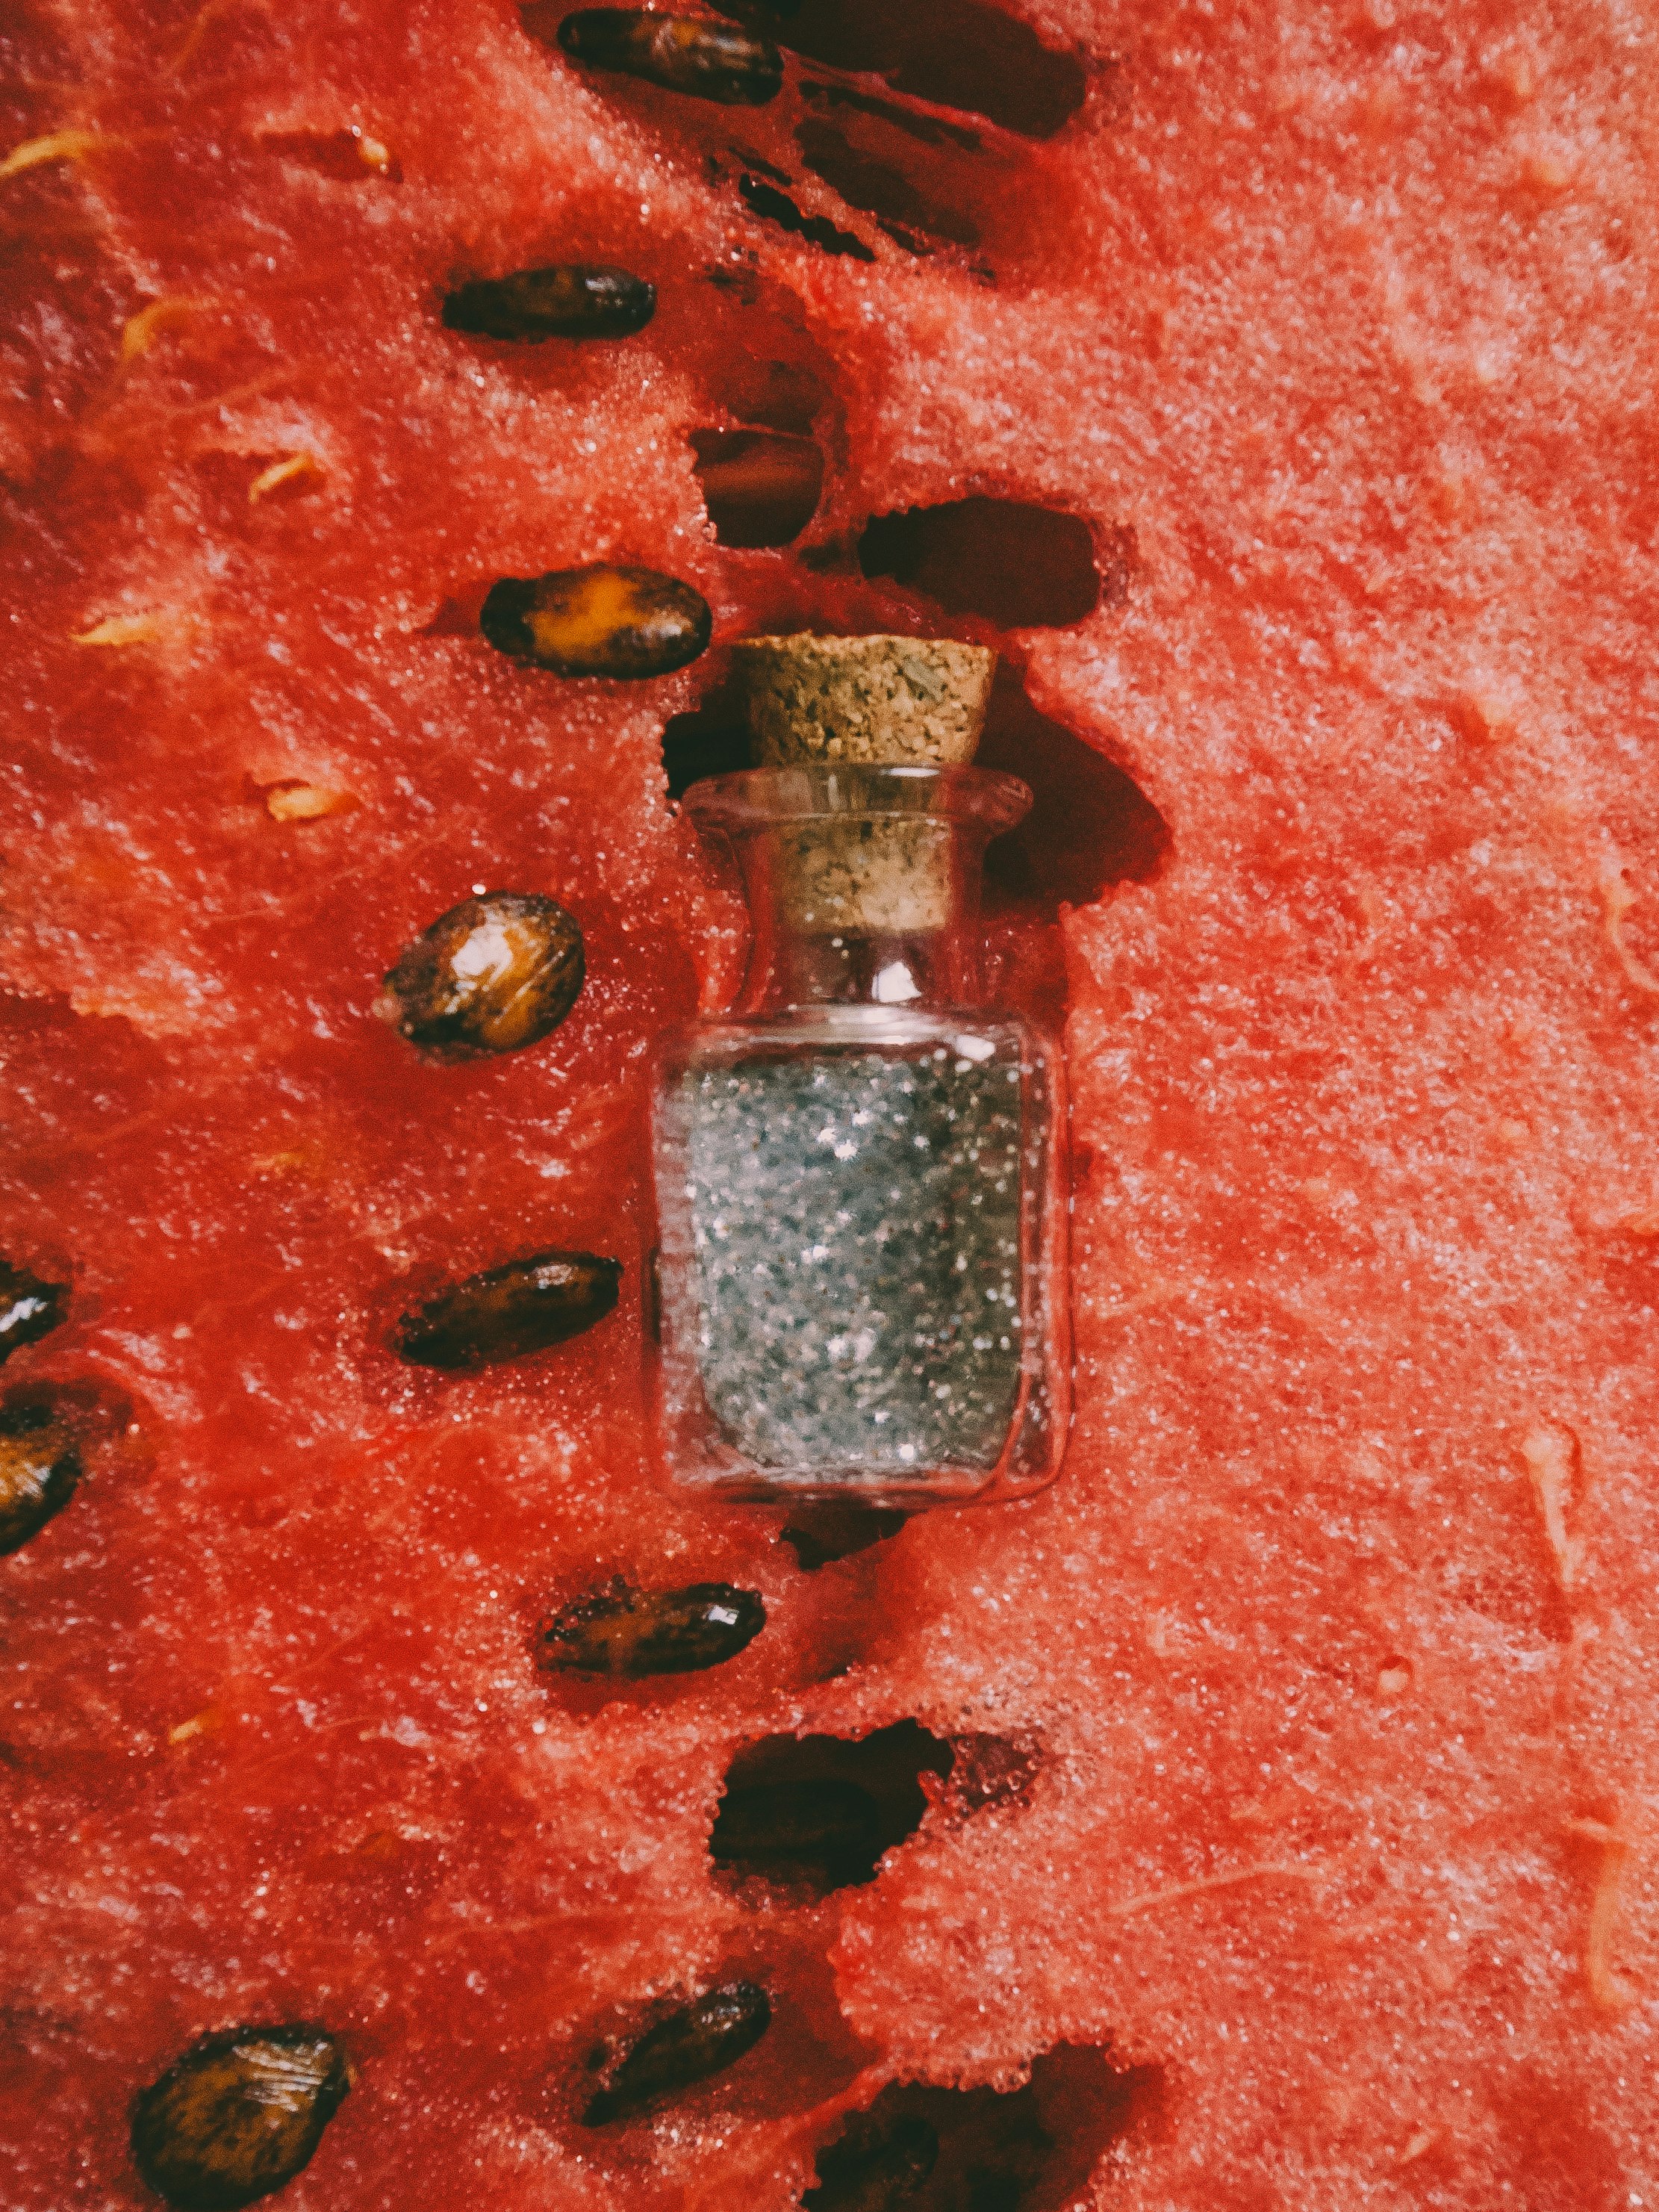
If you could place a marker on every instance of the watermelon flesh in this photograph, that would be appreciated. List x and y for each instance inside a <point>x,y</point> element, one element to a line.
<point>1321,1869</point>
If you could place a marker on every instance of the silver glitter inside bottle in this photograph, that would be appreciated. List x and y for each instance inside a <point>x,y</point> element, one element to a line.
<point>860,1266</point>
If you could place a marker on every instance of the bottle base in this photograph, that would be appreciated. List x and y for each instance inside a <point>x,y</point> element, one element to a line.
<point>777,1486</point>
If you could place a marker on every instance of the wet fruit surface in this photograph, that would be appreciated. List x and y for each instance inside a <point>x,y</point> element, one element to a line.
<point>238,2116</point>
<point>634,1633</point>
<point>624,623</point>
<point>1334,1651</point>
<point>510,1311</point>
<point>493,975</point>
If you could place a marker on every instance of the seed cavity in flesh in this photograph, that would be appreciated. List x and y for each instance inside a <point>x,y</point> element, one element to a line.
<point>567,300</point>
<point>825,1831</point>
<point>622,623</point>
<point>684,53</point>
<point>818,1535</point>
<point>699,2039</point>
<point>238,2116</point>
<point>493,975</point>
<point>820,1812</point>
<point>510,1311</point>
<point>39,1467</point>
<point>29,1308</point>
<point>631,1633</point>
<point>874,2165</point>
<point>817,230</point>
<point>759,487</point>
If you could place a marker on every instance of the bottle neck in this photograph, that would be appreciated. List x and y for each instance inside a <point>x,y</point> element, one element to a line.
<point>790,968</point>
<point>862,881</point>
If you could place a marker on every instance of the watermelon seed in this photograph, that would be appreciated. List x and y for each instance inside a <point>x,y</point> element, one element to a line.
<point>510,1311</point>
<point>684,53</point>
<point>819,1812</point>
<point>493,975</point>
<point>701,2038</point>
<point>238,2116</point>
<point>632,1633</point>
<point>29,1308</point>
<point>618,623</point>
<point>567,300</point>
<point>39,1467</point>
<point>759,487</point>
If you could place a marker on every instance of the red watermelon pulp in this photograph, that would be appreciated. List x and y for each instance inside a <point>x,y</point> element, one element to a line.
<point>1268,1812</point>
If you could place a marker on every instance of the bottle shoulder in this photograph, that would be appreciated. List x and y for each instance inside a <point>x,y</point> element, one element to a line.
<point>972,1033</point>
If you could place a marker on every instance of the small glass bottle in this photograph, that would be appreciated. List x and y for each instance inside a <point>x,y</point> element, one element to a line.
<point>861,1214</point>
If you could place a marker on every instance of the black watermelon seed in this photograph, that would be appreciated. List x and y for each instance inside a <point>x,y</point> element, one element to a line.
<point>699,2039</point>
<point>29,1307</point>
<point>567,300</point>
<point>510,1311</point>
<point>632,1633</point>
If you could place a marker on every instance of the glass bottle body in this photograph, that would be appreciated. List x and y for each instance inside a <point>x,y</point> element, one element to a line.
<point>862,1264</point>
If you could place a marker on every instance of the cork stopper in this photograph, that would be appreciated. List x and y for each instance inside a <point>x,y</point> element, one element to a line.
<point>905,701</point>
<point>874,701</point>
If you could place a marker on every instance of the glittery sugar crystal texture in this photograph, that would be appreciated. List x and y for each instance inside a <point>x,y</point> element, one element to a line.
<point>857,1225</point>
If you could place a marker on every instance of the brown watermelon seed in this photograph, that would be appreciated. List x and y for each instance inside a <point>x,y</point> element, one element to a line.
<point>39,1467</point>
<point>29,1308</point>
<point>633,1633</point>
<point>826,1830</point>
<point>238,2116</point>
<point>871,2167</point>
<point>569,300</point>
<point>685,53</point>
<point>493,975</point>
<point>699,2039</point>
<point>508,1312</point>
<point>622,623</point>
